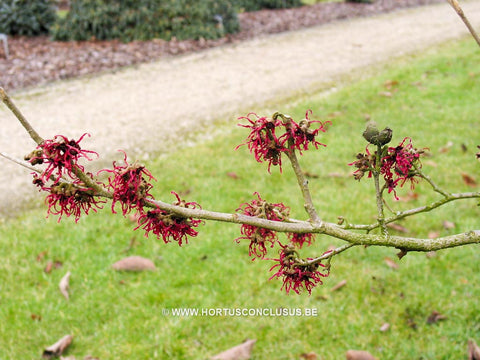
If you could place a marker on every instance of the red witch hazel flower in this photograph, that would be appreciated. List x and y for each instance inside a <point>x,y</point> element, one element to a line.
<point>398,165</point>
<point>297,274</point>
<point>61,156</point>
<point>260,238</point>
<point>299,240</point>
<point>267,145</point>
<point>71,200</point>
<point>168,225</point>
<point>130,184</point>
<point>262,140</point>
<point>301,135</point>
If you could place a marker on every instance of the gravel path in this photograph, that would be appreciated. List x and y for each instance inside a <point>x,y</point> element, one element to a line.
<point>141,108</point>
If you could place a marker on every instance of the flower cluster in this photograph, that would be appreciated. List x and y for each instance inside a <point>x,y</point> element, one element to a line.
<point>130,185</point>
<point>397,164</point>
<point>300,239</point>
<point>260,238</point>
<point>61,156</point>
<point>270,137</point>
<point>168,225</point>
<point>70,199</point>
<point>297,274</point>
<point>68,195</point>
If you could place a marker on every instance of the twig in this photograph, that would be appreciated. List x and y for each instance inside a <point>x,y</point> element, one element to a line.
<point>30,130</point>
<point>301,179</point>
<point>19,162</point>
<point>378,191</point>
<point>458,9</point>
<point>329,254</point>
<point>434,186</point>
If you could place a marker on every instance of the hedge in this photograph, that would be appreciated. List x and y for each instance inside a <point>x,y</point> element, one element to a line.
<point>130,20</point>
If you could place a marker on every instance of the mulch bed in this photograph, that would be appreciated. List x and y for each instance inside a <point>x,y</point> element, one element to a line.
<point>35,61</point>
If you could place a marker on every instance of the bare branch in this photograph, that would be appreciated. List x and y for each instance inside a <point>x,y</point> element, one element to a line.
<point>30,130</point>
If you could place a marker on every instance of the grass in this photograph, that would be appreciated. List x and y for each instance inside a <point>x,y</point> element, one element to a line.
<point>120,315</point>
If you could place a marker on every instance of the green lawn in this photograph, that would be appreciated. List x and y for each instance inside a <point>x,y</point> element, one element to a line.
<point>434,100</point>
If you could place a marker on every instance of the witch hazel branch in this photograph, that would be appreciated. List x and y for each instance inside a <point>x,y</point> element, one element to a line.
<point>71,191</point>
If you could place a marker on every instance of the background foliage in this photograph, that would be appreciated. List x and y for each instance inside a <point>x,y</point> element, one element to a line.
<point>146,19</point>
<point>26,17</point>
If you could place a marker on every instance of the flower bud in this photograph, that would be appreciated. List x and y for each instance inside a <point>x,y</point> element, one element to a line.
<point>384,137</point>
<point>371,132</point>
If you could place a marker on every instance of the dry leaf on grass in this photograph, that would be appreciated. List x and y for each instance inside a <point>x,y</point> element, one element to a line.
<point>385,327</point>
<point>134,263</point>
<point>398,227</point>
<point>239,352</point>
<point>390,263</point>
<point>473,350</point>
<point>340,285</point>
<point>64,284</point>
<point>433,234</point>
<point>469,180</point>
<point>447,225</point>
<point>233,175</point>
<point>309,356</point>
<point>435,317</point>
<point>58,348</point>
<point>359,355</point>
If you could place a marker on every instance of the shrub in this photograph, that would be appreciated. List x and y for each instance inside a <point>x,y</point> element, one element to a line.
<point>26,17</point>
<point>254,5</point>
<point>129,20</point>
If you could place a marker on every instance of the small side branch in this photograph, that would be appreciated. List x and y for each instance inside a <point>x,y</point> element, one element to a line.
<point>13,108</point>
<point>303,183</point>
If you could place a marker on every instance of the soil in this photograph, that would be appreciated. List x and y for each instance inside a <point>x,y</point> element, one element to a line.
<point>163,99</point>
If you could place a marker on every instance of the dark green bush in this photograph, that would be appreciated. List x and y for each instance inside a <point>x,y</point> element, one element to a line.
<point>254,5</point>
<point>26,17</point>
<point>129,20</point>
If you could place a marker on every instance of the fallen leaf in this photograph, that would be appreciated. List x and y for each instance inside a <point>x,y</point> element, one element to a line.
<point>387,94</point>
<point>446,148</point>
<point>433,234</point>
<point>239,352</point>
<point>385,327</point>
<point>334,114</point>
<point>64,284</point>
<point>411,196</point>
<point>473,350</point>
<point>309,356</point>
<point>48,268</point>
<point>469,180</point>
<point>478,153</point>
<point>398,227</point>
<point>90,357</point>
<point>464,147</point>
<point>390,263</point>
<point>58,348</point>
<point>431,254</point>
<point>41,255</point>
<point>36,317</point>
<point>359,355</point>
<point>435,317</point>
<point>310,175</point>
<point>447,225</point>
<point>389,84</point>
<point>233,175</point>
<point>134,263</point>
<point>340,285</point>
